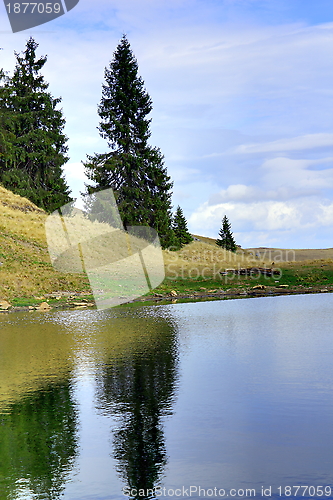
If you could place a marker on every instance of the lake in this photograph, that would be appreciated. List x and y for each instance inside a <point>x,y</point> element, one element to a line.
<point>230,398</point>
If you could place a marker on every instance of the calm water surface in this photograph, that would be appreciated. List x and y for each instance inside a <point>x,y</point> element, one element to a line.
<point>197,400</point>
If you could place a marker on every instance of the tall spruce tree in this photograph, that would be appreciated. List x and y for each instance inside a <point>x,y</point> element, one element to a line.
<point>179,226</point>
<point>132,168</point>
<point>226,239</point>
<point>32,144</point>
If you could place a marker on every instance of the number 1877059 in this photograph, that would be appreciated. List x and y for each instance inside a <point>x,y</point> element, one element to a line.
<point>33,8</point>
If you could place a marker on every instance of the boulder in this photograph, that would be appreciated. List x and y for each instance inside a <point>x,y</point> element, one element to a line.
<point>44,306</point>
<point>4,305</point>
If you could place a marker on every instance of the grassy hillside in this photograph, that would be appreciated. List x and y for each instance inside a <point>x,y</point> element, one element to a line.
<point>27,272</point>
<point>280,254</point>
<point>293,255</point>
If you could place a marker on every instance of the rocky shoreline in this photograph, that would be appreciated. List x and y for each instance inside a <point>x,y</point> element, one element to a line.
<point>238,294</point>
<point>84,300</point>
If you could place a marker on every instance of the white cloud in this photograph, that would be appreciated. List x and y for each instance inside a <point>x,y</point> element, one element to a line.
<point>75,171</point>
<point>287,197</point>
<point>236,192</point>
<point>297,174</point>
<point>268,218</point>
<point>76,179</point>
<point>308,141</point>
<point>243,193</point>
<point>183,174</point>
<point>265,215</point>
<point>326,216</point>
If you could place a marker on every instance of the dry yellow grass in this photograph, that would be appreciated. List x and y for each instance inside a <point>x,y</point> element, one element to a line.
<point>21,217</point>
<point>26,268</point>
<point>293,255</point>
<point>206,259</point>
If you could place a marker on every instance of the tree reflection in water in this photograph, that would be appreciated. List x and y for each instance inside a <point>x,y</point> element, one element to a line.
<point>38,437</point>
<point>139,388</point>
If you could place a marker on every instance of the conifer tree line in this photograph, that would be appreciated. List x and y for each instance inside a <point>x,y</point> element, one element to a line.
<point>33,146</point>
<point>32,142</point>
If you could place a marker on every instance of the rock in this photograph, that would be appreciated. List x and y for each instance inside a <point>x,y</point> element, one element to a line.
<point>259,287</point>
<point>4,305</point>
<point>44,306</point>
<point>79,304</point>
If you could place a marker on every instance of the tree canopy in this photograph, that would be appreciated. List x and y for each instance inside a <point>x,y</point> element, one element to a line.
<point>32,143</point>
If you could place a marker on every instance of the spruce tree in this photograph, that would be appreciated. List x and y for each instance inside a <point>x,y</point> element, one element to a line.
<point>6,136</point>
<point>179,226</point>
<point>226,239</point>
<point>32,144</point>
<point>132,168</point>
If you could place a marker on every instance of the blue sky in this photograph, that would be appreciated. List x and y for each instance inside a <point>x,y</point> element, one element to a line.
<point>243,98</point>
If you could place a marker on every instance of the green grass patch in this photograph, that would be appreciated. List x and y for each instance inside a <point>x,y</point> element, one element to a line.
<point>293,277</point>
<point>307,276</point>
<point>188,285</point>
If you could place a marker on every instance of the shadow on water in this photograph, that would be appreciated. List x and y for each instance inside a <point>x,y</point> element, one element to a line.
<point>38,436</point>
<point>138,388</point>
